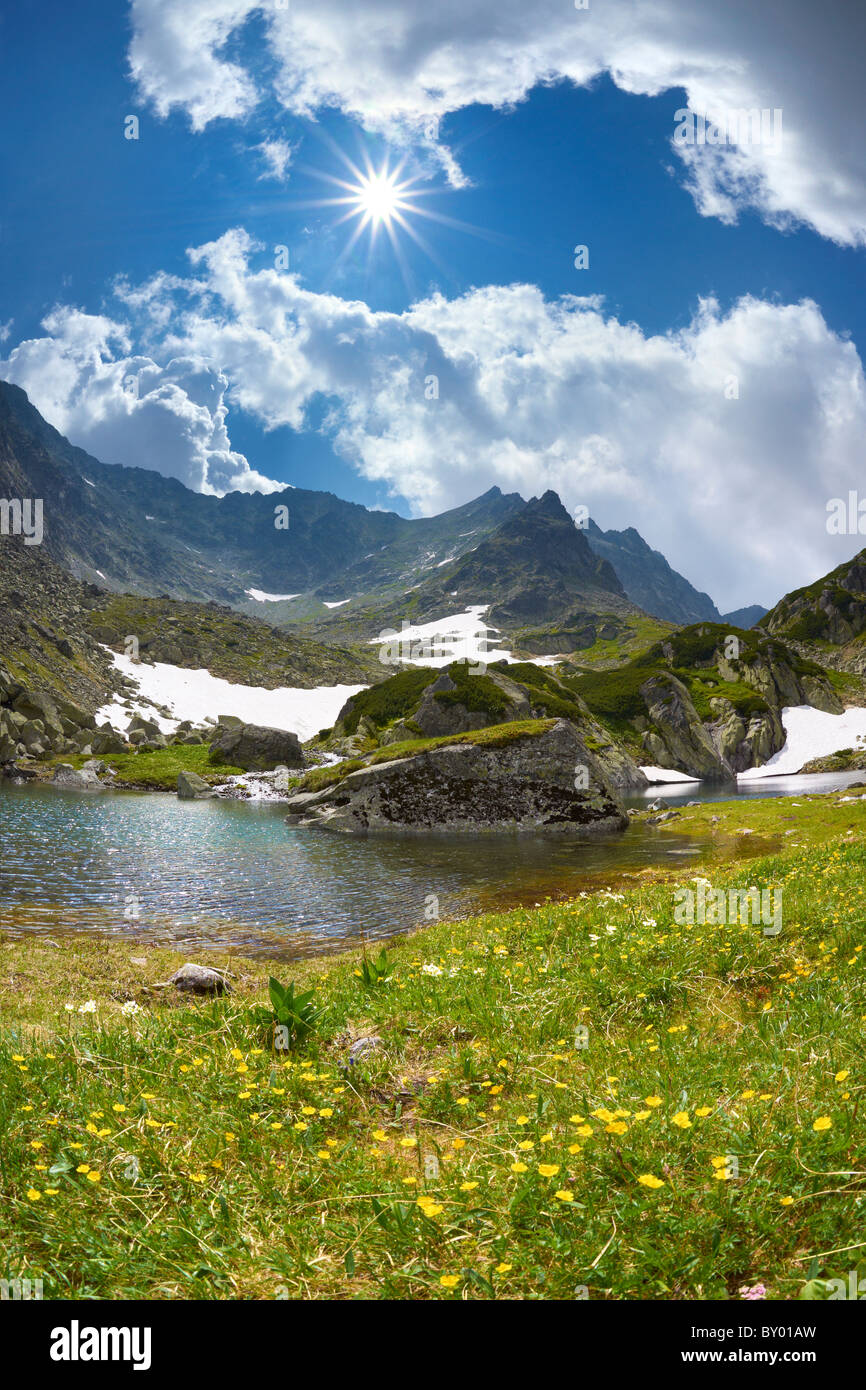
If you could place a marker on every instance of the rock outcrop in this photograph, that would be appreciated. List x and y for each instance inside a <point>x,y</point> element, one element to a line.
<point>255,747</point>
<point>546,781</point>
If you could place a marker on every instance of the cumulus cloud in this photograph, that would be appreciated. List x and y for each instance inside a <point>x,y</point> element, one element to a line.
<point>277,156</point>
<point>719,442</point>
<point>398,65</point>
<point>124,408</point>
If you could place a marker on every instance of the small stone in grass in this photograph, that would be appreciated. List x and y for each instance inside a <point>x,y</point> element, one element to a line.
<point>199,979</point>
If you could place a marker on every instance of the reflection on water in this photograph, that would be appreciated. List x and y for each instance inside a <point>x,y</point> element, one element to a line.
<point>799,784</point>
<point>235,874</point>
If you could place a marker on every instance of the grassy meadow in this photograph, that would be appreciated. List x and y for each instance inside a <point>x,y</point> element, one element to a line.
<point>572,1100</point>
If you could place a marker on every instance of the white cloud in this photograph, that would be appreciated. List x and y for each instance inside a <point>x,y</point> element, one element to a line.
<point>535,394</point>
<point>721,443</point>
<point>125,408</point>
<point>395,65</point>
<point>277,156</point>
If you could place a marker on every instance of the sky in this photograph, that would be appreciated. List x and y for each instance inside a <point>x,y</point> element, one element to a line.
<point>213,299</point>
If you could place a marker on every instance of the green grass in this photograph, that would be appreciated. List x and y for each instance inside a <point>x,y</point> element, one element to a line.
<point>477,693</point>
<point>158,770</point>
<point>172,1154</point>
<point>391,699</point>
<point>633,637</point>
<point>494,736</point>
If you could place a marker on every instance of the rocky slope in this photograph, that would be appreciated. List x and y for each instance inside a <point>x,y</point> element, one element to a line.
<point>648,579</point>
<point>544,589</point>
<point>244,650</point>
<point>517,780</point>
<point>131,530</point>
<point>134,530</point>
<point>690,703</point>
<point>827,619</point>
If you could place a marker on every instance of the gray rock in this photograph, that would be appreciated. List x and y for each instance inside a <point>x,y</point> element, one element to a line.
<point>199,979</point>
<point>106,740</point>
<point>81,780</point>
<point>361,1046</point>
<point>526,783</point>
<point>191,787</point>
<point>255,748</point>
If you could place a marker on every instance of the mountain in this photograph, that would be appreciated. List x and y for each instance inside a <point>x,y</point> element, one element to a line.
<point>648,579</point>
<point>534,568</point>
<point>340,573</point>
<point>745,617</point>
<point>827,618</point>
<point>134,530</point>
<point>688,702</point>
<point>538,580</point>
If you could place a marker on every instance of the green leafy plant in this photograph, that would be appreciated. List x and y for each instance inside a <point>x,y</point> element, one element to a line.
<point>373,972</point>
<point>295,1015</point>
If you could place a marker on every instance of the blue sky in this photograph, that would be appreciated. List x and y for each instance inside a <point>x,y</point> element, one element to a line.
<point>567,164</point>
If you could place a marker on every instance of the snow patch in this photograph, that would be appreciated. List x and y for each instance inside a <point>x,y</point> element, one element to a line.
<point>811,733</point>
<point>196,695</point>
<point>666,774</point>
<point>459,637</point>
<point>261,597</point>
<point>337,605</point>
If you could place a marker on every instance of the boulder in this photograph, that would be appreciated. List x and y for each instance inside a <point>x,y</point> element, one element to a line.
<point>35,738</point>
<point>76,779</point>
<point>41,709</point>
<point>255,748</point>
<point>191,787</point>
<point>199,979</point>
<point>526,783</point>
<point>107,740</point>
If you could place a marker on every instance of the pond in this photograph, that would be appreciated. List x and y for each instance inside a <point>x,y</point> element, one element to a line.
<point>234,875</point>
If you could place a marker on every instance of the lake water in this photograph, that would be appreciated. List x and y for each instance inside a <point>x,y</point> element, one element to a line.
<point>234,874</point>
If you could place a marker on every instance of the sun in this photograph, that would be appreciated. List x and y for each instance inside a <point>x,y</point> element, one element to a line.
<point>378,197</point>
<point>383,199</point>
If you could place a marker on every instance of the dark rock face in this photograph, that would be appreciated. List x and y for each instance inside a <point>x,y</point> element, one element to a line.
<point>677,738</point>
<point>435,718</point>
<point>525,784</point>
<point>255,748</point>
<point>648,579</point>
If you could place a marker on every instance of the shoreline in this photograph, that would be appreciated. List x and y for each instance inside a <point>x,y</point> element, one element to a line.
<point>521,1082</point>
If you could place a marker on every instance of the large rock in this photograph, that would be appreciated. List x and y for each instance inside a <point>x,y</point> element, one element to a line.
<point>677,738</point>
<point>745,742</point>
<point>255,748</point>
<point>107,740</point>
<point>76,779</point>
<point>40,709</point>
<point>525,783</point>
<point>191,787</point>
